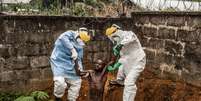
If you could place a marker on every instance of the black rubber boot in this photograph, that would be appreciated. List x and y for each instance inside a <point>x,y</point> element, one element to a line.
<point>117,82</point>
<point>58,99</point>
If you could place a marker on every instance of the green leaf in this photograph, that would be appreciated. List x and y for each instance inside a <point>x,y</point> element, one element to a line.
<point>40,95</point>
<point>25,98</point>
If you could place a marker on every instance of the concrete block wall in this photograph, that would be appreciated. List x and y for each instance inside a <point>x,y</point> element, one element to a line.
<point>172,43</point>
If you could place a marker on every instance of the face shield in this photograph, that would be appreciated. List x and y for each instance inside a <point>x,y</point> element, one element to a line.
<point>83,34</point>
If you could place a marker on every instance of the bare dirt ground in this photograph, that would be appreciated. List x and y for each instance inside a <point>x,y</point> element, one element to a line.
<point>149,89</point>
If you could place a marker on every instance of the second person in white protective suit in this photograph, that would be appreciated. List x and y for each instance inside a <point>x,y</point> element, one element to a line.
<point>132,58</point>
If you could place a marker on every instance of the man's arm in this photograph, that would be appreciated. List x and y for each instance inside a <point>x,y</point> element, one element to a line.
<point>77,68</point>
<point>82,73</point>
<point>105,69</point>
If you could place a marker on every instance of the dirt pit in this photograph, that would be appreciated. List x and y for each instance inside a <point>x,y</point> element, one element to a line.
<point>149,89</point>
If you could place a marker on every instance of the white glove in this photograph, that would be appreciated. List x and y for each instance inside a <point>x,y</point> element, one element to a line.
<point>74,54</point>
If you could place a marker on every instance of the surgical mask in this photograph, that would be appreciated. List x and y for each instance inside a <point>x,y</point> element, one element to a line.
<point>80,41</point>
<point>115,38</point>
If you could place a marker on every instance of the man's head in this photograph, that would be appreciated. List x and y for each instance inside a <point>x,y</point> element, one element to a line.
<point>83,34</point>
<point>112,33</point>
<point>111,30</point>
<point>99,65</point>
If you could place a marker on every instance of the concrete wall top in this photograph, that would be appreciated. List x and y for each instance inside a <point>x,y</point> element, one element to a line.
<point>166,13</point>
<point>60,17</point>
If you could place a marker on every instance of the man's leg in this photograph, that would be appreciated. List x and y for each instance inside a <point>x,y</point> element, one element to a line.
<point>130,87</point>
<point>59,87</point>
<point>74,89</point>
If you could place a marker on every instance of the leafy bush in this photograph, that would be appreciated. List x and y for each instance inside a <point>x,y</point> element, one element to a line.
<point>170,9</point>
<point>9,96</point>
<point>53,7</point>
<point>34,96</point>
<point>79,10</point>
<point>40,96</point>
<point>90,2</point>
<point>197,0</point>
<point>36,4</point>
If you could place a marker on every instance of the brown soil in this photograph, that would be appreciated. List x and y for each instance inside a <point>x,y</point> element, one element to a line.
<point>150,88</point>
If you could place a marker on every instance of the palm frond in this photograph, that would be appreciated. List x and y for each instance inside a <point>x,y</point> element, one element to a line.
<point>40,95</point>
<point>25,98</point>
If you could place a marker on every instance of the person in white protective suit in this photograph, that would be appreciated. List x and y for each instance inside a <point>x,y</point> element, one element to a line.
<point>132,58</point>
<point>68,50</point>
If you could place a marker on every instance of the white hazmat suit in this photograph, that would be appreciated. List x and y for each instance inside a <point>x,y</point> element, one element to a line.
<point>133,61</point>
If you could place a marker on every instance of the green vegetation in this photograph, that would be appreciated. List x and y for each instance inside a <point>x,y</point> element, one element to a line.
<point>197,0</point>
<point>54,7</point>
<point>170,9</point>
<point>34,96</point>
<point>9,96</point>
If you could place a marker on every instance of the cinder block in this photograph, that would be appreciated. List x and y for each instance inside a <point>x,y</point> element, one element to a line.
<point>4,51</point>
<point>17,63</point>
<point>165,33</point>
<point>28,49</point>
<point>47,73</point>
<point>176,21</point>
<point>157,19</point>
<point>174,47</point>
<point>188,36</point>
<point>7,76</point>
<point>149,31</point>
<point>41,61</point>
